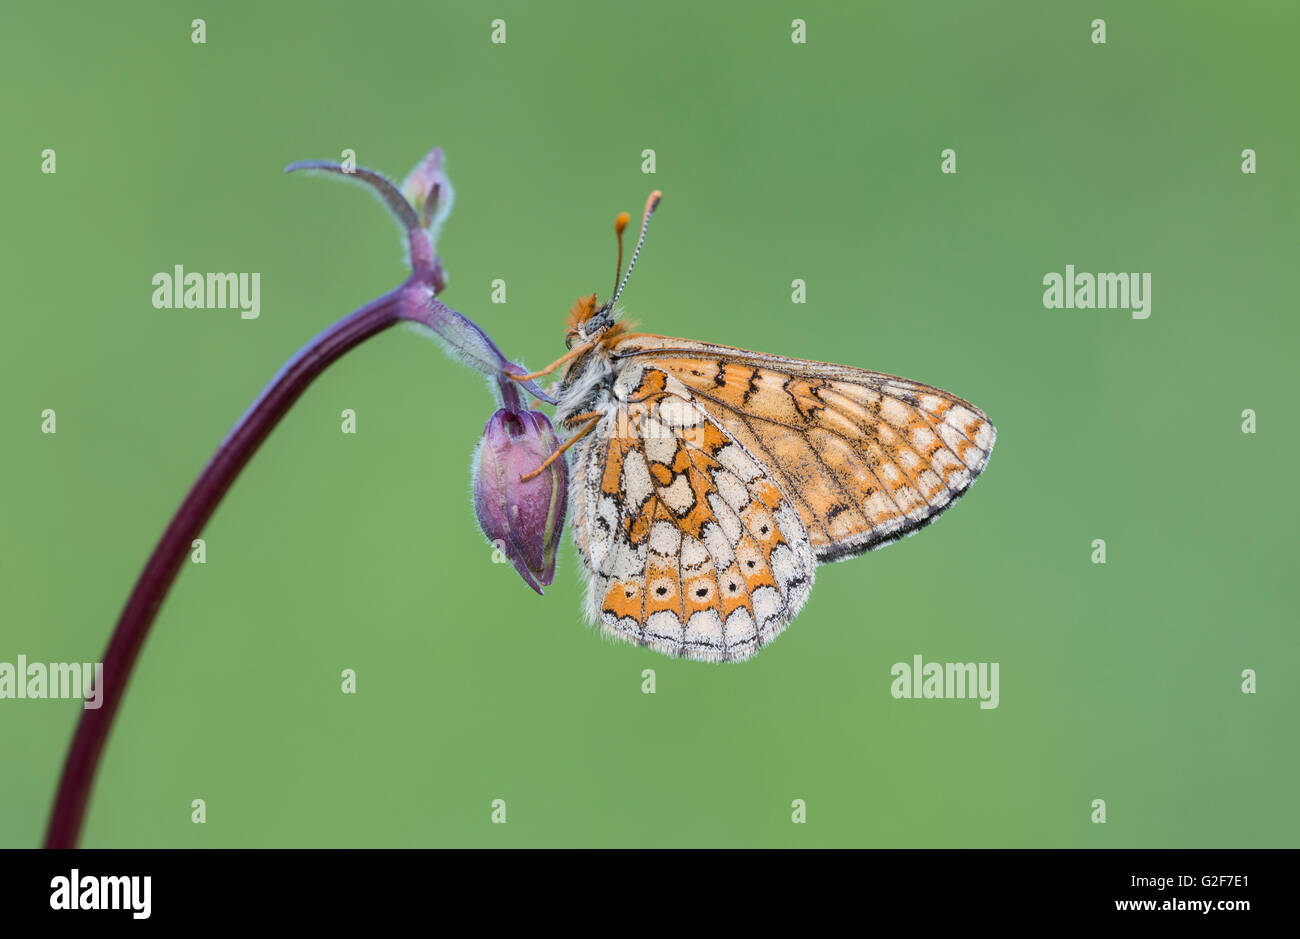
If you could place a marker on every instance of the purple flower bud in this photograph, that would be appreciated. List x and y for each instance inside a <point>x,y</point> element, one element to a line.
<point>429,191</point>
<point>522,518</point>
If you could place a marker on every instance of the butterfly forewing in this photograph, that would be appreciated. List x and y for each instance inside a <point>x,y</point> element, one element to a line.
<point>691,545</point>
<point>863,457</point>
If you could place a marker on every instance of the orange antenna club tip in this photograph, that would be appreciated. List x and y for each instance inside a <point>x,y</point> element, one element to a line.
<point>620,224</point>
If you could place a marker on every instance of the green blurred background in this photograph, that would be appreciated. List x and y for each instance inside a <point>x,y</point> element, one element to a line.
<point>778,161</point>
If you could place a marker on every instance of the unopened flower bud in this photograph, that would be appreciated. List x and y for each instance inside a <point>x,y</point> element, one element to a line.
<point>522,518</point>
<point>429,191</point>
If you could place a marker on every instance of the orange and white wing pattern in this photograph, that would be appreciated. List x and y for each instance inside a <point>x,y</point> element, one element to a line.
<point>691,548</point>
<point>864,457</point>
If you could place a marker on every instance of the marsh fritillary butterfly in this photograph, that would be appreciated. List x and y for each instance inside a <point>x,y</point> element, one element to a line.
<point>708,482</point>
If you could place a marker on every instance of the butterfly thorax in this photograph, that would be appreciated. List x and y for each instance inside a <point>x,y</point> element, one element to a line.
<point>587,386</point>
<point>588,381</point>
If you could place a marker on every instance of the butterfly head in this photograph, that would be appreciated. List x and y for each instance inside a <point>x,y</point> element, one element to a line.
<point>591,321</point>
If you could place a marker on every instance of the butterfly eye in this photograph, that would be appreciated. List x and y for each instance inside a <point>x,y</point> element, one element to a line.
<point>600,321</point>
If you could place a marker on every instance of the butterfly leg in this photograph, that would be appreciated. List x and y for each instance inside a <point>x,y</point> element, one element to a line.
<point>572,353</point>
<point>590,426</point>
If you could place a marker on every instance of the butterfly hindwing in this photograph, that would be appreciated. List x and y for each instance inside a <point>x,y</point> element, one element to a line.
<point>691,547</point>
<point>864,457</point>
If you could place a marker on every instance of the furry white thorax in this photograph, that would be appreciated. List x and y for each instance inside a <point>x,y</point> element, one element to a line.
<point>579,395</point>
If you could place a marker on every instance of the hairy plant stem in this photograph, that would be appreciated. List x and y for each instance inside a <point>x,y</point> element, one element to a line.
<point>415,301</point>
<point>187,524</point>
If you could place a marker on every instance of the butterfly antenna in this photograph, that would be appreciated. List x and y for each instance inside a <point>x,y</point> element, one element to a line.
<point>650,205</point>
<point>620,224</point>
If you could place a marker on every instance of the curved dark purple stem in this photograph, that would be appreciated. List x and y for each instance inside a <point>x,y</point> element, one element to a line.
<point>187,524</point>
<point>414,301</point>
<point>421,249</point>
